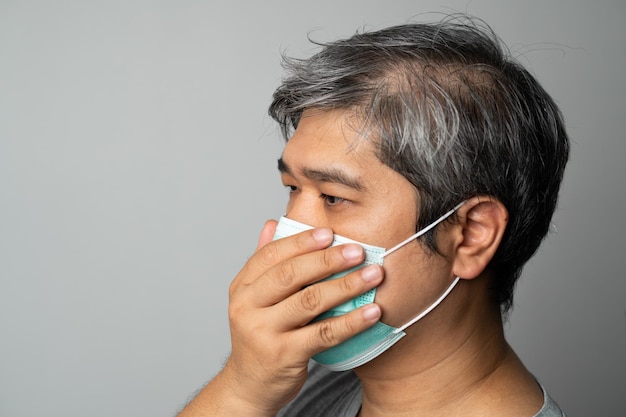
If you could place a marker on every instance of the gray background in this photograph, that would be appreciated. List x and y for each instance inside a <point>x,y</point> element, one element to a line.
<point>137,165</point>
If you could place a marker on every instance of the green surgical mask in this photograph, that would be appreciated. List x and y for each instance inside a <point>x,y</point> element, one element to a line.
<point>375,340</point>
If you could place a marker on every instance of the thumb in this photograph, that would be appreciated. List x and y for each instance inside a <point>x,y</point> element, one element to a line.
<point>267,234</point>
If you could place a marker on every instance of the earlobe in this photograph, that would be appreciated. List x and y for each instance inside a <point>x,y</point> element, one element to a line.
<point>482,222</point>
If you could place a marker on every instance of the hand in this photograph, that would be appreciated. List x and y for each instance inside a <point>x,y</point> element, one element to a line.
<point>272,302</point>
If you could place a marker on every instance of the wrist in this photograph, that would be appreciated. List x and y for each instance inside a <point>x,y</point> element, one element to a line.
<point>224,396</point>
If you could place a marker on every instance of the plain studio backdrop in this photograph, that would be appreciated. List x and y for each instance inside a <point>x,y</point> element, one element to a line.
<point>137,166</point>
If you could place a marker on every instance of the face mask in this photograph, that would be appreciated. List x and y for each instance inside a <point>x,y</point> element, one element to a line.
<point>370,343</point>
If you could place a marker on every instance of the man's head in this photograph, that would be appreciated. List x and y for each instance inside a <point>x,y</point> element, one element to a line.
<point>448,109</point>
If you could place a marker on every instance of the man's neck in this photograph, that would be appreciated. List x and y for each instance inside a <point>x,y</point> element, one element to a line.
<point>455,363</point>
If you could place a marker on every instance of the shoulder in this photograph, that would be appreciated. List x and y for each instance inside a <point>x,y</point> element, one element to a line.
<point>550,407</point>
<point>326,393</point>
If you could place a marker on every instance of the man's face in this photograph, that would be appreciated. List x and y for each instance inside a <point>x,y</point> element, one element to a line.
<point>336,181</point>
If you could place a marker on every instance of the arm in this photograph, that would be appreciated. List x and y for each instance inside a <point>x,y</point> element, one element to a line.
<point>271,303</point>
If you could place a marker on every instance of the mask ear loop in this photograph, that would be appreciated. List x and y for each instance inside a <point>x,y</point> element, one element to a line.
<point>432,306</point>
<point>423,231</point>
<point>413,237</point>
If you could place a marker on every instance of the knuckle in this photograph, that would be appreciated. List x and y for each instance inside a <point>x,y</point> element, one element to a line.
<point>270,254</point>
<point>347,284</point>
<point>285,274</point>
<point>310,298</point>
<point>333,331</point>
<point>302,240</point>
<point>233,288</point>
<point>327,259</point>
<point>326,333</point>
<point>235,312</point>
<point>349,324</point>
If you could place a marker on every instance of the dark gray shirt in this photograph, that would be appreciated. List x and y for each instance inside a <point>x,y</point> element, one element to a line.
<point>338,394</point>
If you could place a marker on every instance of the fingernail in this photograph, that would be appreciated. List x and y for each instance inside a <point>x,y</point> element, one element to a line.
<point>352,252</point>
<point>371,312</point>
<point>370,273</point>
<point>322,235</point>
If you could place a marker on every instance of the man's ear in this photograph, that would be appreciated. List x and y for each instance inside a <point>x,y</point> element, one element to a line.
<point>477,234</point>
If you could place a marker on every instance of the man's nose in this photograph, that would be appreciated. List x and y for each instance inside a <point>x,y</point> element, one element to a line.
<point>308,210</point>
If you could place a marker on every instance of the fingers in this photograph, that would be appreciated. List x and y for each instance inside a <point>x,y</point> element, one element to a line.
<point>292,284</point>
<point>322,335</point>
<point>308,303</point>
<point>273,253</point>
<point>291,275</point>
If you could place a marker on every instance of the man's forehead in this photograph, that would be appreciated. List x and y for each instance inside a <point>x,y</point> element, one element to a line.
<point>330,142</point>
<point>329,134</point>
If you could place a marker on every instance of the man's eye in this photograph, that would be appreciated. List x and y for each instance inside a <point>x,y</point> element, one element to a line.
<point>331,200</point>
<point>292,188</point>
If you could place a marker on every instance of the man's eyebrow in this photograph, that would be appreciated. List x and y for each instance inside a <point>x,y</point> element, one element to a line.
<point>283,168</point>
<point>324,175</point>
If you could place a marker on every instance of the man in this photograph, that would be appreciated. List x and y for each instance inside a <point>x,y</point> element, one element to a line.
<point>416,128</point>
